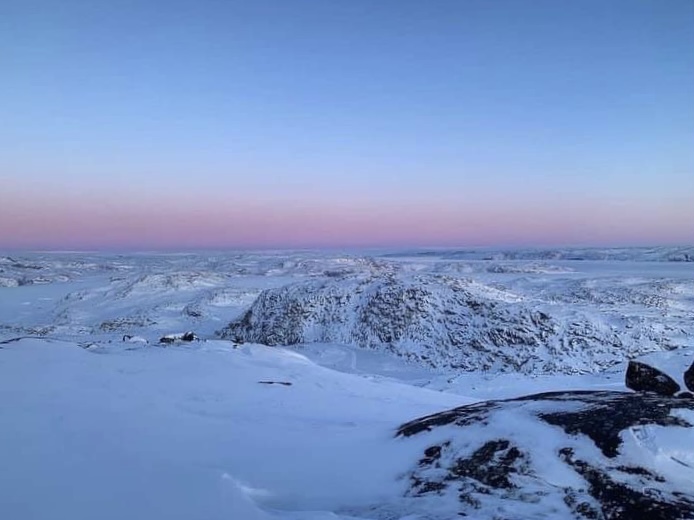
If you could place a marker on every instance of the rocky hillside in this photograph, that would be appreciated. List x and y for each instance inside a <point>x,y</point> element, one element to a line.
<point>462,323</point>
<point>603,455</point>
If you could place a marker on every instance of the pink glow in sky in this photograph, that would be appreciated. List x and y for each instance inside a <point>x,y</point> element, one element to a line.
<point>64,222</point>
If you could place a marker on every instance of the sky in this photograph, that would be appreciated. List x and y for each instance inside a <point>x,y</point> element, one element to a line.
<point>169,124</point>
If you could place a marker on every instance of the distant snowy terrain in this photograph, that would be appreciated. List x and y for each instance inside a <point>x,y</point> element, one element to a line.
<point>635,254</point>
<point>537,316</point>
<point>303,367</point>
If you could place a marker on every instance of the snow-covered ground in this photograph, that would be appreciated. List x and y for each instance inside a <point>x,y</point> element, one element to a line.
<point>100,420</point>
<point>193,432</point>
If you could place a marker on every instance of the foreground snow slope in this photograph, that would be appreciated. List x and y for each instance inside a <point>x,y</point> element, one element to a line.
<point>190,433</point>
<point>216,431</point>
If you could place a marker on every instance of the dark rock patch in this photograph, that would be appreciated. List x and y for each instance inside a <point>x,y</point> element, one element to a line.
<point>504,476</point>
<point>174,338</point>
<point>13,340</point>
<point>431,455</point>
<point>461,416</point>
<point>189,336</point>
<point>492,464</point>
<point>644,378</point>
<point>689,378</point>
<point>619,501</point>
<point>617,412</point>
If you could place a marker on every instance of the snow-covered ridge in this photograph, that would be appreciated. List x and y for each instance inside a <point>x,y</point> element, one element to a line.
<point>645,254</point>
<point>443,321</point>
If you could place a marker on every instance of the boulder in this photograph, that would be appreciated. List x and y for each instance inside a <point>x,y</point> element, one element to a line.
<point>689,378</point>
<point>644,378</point>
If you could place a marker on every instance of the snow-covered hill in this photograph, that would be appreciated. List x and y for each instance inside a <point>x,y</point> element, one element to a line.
<point>463,323</point>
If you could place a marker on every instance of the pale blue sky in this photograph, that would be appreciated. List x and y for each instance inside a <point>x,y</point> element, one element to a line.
<point>472,103</point>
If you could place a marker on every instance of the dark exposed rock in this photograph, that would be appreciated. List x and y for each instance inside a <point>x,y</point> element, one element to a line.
<point>603,424</point>
<point>685,395</point>
<point>645,378</point>
<point>496,475</point>
<point>492,464</point>
<point>173,338</point>
<point>431,454</point>
<point>189,336</point>
<point>689,378</point>
<point>13,340</point>
<point>462,416</point>
<point>283,383</point>
<point>619,501</point>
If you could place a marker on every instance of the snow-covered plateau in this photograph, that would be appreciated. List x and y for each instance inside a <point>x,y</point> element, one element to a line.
<point>306,385</point>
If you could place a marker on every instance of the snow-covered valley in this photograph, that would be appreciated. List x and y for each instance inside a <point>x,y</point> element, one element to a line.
<point>306,365</point>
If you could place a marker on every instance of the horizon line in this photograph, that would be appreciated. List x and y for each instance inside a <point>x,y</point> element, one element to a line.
<point>356,248</point>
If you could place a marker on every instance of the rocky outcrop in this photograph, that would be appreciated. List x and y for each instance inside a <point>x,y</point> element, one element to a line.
<point>175,338</point>
<point>689,378</point>
<point>584,454</point>
<point>441,321</point>
<point>644,378</point>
